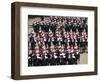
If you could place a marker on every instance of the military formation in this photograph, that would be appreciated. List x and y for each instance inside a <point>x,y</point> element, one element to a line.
<point>57,40</point>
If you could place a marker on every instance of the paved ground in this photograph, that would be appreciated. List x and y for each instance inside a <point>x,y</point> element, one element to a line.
<point>83,58</point>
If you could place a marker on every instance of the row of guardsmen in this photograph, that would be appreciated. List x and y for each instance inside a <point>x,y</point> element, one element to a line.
<point>48,41</point>
<point>53,56</point>
<point>53,26</point>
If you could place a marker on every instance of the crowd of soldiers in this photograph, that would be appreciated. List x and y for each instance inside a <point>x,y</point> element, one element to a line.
<point>57,40</point>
